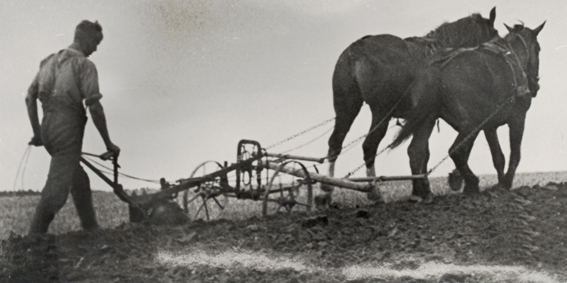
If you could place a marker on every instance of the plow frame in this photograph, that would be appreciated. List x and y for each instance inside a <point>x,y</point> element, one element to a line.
<point>250,165</point>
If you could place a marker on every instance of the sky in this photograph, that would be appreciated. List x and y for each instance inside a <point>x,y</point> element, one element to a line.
<point>184,81</point>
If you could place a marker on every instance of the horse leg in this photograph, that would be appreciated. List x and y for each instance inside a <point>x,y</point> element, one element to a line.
<point>460,152</point>
<point>498,158</point>
<point>516,134</point>
<point>373,139</point>
<point>418,152</point>
<point>347,106</point>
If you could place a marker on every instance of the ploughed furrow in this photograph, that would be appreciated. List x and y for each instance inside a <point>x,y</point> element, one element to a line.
<point>522,228</point>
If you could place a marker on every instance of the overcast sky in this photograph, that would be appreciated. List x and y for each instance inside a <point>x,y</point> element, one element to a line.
<point>184,81</point>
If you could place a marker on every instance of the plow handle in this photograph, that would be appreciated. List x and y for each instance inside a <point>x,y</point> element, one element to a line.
<point>109,155</point>
<point>116,187</point>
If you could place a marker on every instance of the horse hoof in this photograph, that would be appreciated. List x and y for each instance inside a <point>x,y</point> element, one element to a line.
<point>469,191</point>
<point>415,199</point>
<point>455,180</point>
<point>323,201</point>
<point>374,194</point>
<point>498,186</point>
<point>326,188</point>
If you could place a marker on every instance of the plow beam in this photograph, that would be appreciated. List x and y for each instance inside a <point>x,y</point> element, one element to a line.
<point>296,157</point>
<point>388,178</point>
<point>298,172</point>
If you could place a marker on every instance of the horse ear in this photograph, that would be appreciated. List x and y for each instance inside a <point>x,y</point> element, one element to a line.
<point>538,29</point>
<point>492,15</point>
<point>508,28</point>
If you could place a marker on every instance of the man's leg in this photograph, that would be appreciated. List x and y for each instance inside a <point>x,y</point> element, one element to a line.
<point>55,192</point>
<point>82,197</point>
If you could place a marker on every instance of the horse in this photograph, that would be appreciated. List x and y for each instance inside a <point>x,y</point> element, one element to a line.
<point>379,70</point>
<point>473,90</point>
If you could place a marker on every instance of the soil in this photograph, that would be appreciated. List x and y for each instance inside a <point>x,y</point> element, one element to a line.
<point>523,227</point>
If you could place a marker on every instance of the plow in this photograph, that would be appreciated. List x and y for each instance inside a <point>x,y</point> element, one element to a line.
<point>279,181</point>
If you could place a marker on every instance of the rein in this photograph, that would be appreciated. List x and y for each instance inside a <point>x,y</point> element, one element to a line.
<point>21,168</point>
<point>351,144</point>
<point>529,78</point>
<point>520,89</point>
<point>525,47</point>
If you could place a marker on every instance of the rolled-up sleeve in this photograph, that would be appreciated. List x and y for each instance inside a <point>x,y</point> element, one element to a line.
<point>89,83</point>
<point>33,90</point>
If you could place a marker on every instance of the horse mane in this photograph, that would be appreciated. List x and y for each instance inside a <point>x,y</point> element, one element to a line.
<point>518,28</point>
<point>514,30</point>
<point>466,32</point>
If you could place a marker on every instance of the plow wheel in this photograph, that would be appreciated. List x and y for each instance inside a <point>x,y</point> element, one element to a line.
<point>208,200</point>
<point>287,192</point>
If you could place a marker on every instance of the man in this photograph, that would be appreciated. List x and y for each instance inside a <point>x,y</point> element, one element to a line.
<point>64,82</point>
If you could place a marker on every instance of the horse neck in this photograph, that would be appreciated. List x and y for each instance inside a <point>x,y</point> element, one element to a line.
<point>519,47</point>
<point>521,50</point>
<point>466,32</point>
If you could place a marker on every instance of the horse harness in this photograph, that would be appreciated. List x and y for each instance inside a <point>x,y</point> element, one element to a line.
<point>495,46</point>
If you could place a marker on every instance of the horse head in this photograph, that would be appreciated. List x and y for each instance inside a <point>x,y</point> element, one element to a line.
<point>524,42</point>
<point>488,24</point>
<point>466,32</point>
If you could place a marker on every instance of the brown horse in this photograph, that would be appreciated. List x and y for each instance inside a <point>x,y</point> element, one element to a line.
<point>379,70</point>
<point>475,90</point>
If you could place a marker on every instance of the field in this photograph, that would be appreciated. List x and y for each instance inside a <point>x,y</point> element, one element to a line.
<point>498,236</point>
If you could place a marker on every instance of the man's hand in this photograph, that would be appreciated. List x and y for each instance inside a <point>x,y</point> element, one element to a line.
<point>36,141</point>
<point>113,148</point>
<point>97,113</point>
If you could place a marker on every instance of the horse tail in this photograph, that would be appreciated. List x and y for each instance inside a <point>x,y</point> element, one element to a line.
<point>423,88</point>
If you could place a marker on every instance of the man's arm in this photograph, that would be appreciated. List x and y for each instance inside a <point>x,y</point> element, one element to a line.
<point>92,96</point>
<point>99,119</point>
<point>31,103</point>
